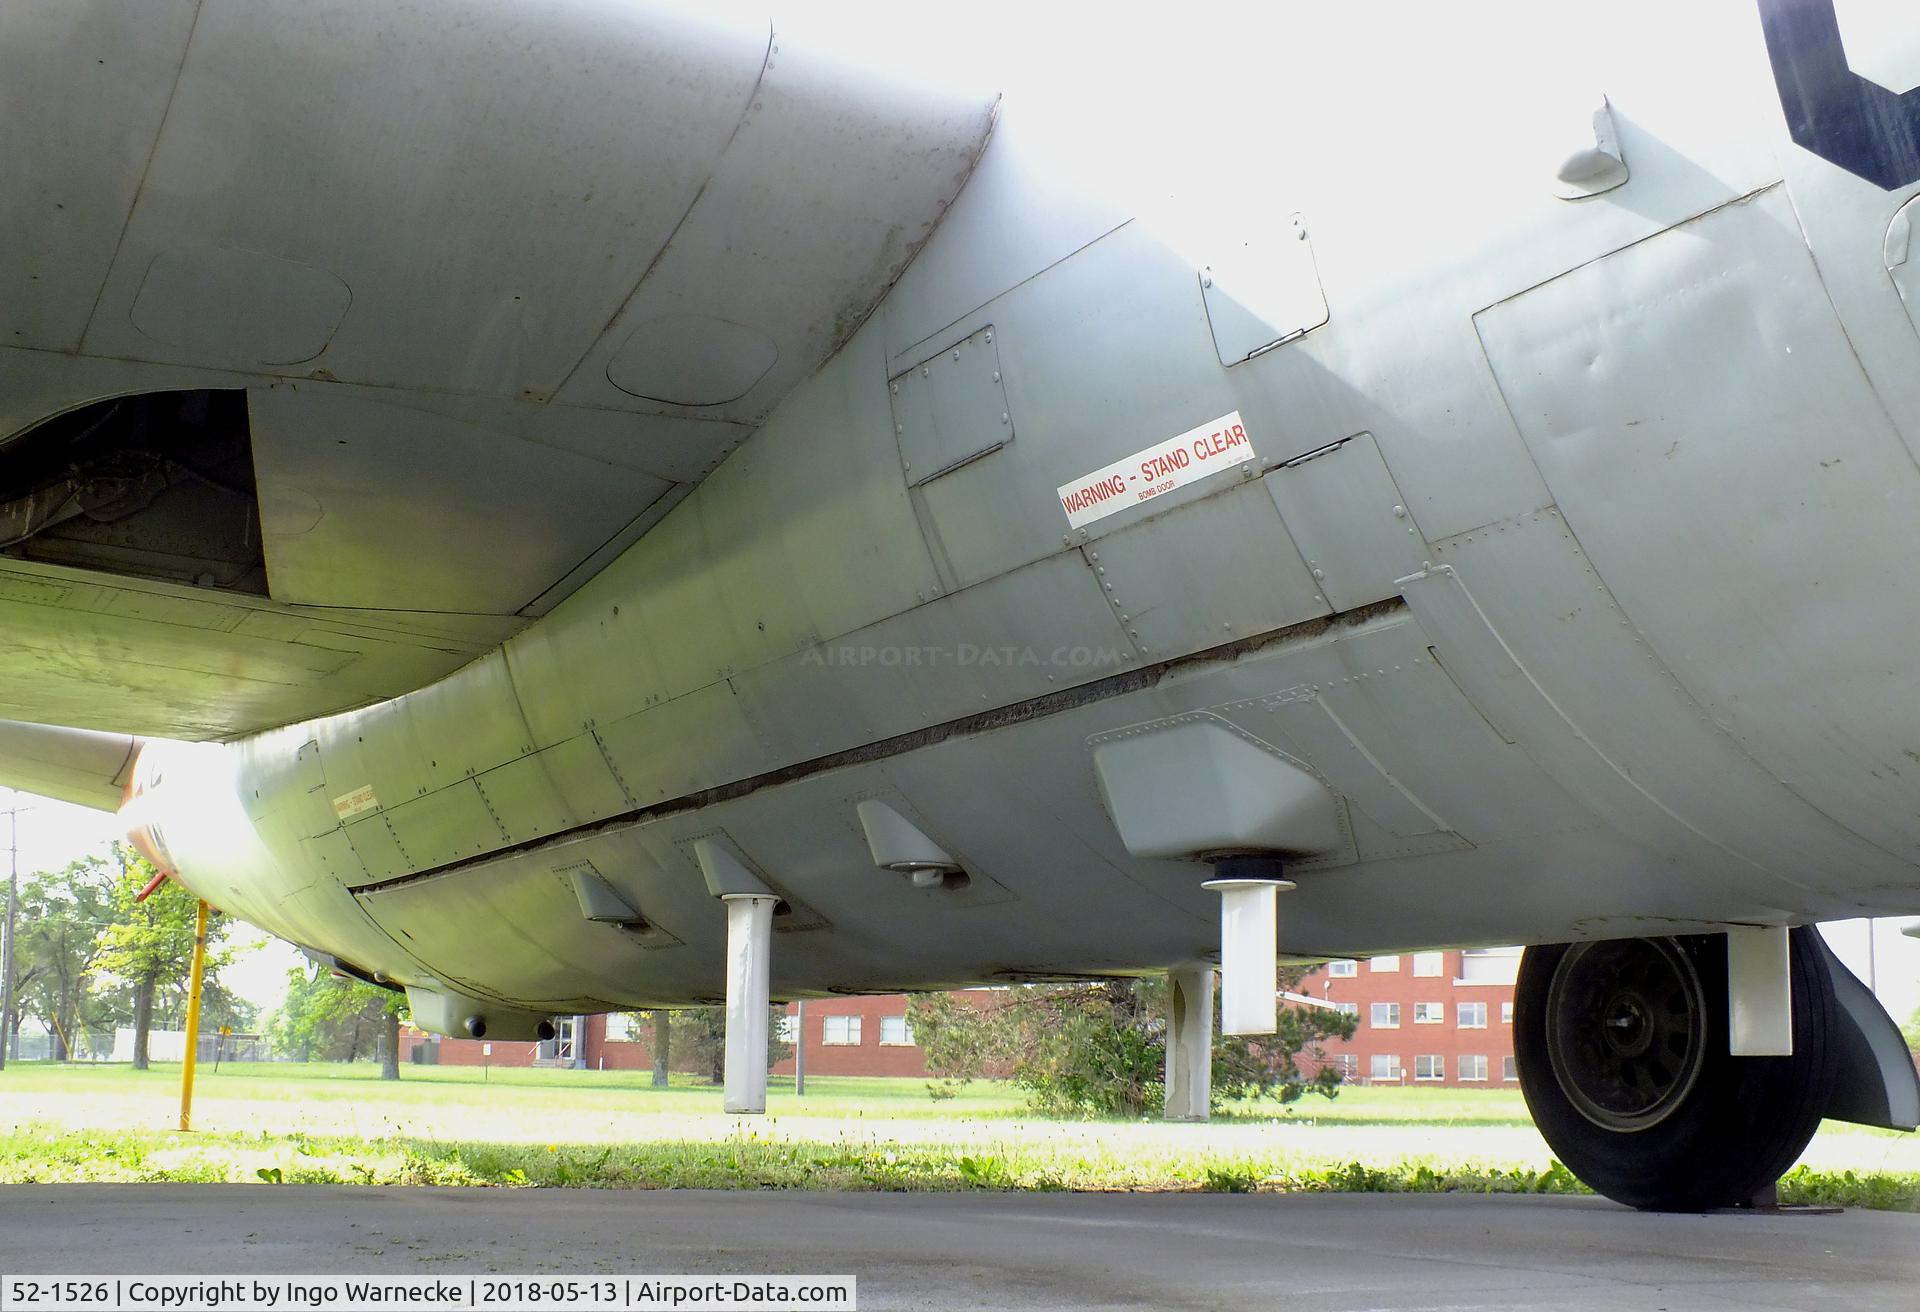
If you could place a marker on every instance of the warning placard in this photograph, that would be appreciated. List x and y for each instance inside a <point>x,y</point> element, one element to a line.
<point>358,802</point>
<point>1144,475</point>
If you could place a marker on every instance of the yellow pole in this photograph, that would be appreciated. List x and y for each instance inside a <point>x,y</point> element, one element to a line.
<point>193,1016</point>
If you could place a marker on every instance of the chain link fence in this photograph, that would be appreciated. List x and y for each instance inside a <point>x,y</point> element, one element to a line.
<point>162,1045</point>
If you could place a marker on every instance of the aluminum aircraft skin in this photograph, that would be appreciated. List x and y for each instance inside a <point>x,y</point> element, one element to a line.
<point>1474,471</point>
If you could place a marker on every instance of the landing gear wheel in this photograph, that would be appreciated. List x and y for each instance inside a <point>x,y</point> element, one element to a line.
<point>1622,1054</point>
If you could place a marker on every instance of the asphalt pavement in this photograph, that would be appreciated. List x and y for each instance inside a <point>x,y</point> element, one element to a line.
<point>1328,1252</point>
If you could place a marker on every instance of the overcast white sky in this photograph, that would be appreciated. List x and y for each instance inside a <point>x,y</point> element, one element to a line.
<point>52,834</point>
<point>55,834</point>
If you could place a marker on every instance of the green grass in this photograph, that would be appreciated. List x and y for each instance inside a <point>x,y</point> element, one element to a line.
<point>541,1128</point>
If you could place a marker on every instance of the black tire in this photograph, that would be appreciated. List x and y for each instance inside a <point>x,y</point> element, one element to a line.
<point>1677,1125</point>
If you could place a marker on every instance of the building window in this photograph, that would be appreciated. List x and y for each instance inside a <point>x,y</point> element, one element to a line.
<point>1342,969</point>
<point>1384,965</point>
<point>895,1032</point>
<point>1430,1068</point>
<point>1506,1013</point>
<point>1347,1008</point>
<point>1429,1013</point>
<point>1489,965</point>
<point>1386,1015</point>
<point>1509,1069</point>
<point>1473,1016</point>
<point>1347,1064</point>
<point>622,1027</point>
<point>1473,1068</point>
<point>1384,1067</point>
<point>1429,963</point>
<point>840,1031</point>
<point>789,1029</point>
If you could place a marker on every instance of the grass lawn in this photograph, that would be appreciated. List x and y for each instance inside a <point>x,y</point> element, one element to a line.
<point>462,1125</point>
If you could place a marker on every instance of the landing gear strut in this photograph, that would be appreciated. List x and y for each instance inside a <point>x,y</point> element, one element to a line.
<point>1623,1054</point>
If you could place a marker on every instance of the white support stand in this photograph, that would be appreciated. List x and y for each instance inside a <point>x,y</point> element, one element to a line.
<point>1759,992</point>
<point>1249,954</point>
<point>1189,1043</point>
<point>749,932</point>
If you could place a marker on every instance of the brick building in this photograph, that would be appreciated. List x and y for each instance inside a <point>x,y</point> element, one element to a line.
<point>559,1052</point>
<point>844,1036</point>
<point>1442,1018</point>
<point>855,1036</point>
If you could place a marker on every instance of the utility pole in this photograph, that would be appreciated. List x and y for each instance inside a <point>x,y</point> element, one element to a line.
<point>800,1049</point>
<point>6,938</point>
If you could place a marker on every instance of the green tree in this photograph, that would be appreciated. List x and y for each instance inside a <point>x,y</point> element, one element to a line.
<point>56,950</point>
<point>330,1018</point>
<point>660,1023</point>
<point>392,1011</point>
<point>701,1033</point>
<point>146,943</point>
<point>1911,1031</point>
<point>1099,1049</point>
<point>219,1005</point>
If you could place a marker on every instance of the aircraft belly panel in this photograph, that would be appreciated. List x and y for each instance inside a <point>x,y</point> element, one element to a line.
<point>123,62</point>
<point>332,860</point>
<point>1034,631</point>
<point>1220,569</point>
<point>1695,712</point>
<point>92,650</point>
<point>377,845</point>
<point>834,178</point>
<point>1104,355</point>
<point>1706,428</point>
<point>453,824</point>
<point>520,938</point>
<point>366,500</point>
<point>978,253</point>
<point>498,219</point>
<point>1600,684</point>
<point>1352,524</point>
<point>581,774</point>
<point>950,409</point>
<point>682,745</point>
<point>1902,257</point>
<point>522,801</point>
<point>1863,245</point>
<point>1468,838</point>
<point>289,784</point>
<point>807,534</point>
<point>454,732</point>
<point>522,934</point>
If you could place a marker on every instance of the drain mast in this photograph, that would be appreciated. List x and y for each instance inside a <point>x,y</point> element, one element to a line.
<point>195,980</point>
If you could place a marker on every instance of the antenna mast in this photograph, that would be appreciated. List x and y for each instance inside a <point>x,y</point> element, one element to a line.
<point>6,939</point>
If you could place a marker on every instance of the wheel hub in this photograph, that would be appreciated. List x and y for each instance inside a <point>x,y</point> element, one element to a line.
<point>1626,1024</point>
<point>1628,1029</point>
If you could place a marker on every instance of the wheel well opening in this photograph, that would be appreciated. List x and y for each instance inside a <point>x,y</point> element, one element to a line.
<point>158,485</point>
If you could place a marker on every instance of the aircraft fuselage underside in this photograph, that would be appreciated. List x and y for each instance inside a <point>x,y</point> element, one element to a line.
<point>1545,532</point>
